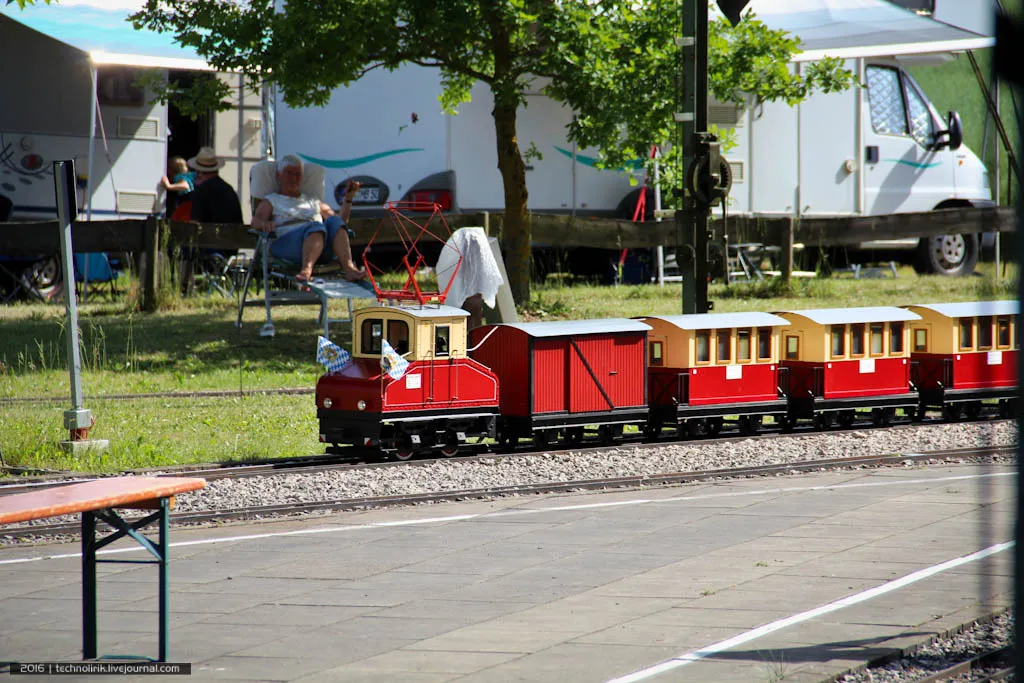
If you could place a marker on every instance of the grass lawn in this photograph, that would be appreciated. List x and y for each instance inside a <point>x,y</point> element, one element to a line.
<point>194,346</point>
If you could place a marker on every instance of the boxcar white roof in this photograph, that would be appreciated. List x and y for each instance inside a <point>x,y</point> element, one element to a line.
<point>419,311</point>
<point>968,309</point>
<point>865,314</point>
<point>716,321</point>
<point>572,328</point>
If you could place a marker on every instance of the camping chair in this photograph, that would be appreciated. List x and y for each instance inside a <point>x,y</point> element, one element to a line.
<point>94,267</point>
<point>263,181</point>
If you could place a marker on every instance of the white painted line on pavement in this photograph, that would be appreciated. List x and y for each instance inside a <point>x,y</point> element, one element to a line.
<point>754,634</point>
<point>526,511</point>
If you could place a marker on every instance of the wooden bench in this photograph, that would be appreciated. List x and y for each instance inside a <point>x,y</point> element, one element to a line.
<point>100,499</point>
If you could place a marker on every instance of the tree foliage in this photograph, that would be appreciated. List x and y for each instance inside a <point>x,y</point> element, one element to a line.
<point>614,62</point>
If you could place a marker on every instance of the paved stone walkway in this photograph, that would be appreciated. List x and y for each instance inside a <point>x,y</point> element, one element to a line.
<point>568,588</point>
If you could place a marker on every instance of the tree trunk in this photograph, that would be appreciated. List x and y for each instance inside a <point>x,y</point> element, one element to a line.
<point>516,226</point>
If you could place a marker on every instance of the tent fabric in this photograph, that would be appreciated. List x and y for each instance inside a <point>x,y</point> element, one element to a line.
<point>862,28</point>
<point>105,35</point>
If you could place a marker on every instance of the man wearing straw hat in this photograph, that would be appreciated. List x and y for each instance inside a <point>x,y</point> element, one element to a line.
<point>213,200</point>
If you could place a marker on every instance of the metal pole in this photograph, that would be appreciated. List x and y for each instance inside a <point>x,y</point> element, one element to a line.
<point>94,101</point>
<point>657,217</point>
<point>692,221</point>
<point>78,419</point>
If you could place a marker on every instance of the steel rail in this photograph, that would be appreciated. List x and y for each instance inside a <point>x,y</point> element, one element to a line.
<point>631,481</point>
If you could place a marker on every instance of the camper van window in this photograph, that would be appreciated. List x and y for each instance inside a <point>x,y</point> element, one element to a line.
<point>922,126</point>
<point>371,333</point>
<point>888,117</point>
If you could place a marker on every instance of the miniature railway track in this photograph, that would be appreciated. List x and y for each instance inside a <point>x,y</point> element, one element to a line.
<point>996,665</point>
<point>634,481</point>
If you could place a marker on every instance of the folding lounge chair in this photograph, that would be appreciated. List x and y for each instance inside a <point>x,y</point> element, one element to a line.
<point>263,181</point>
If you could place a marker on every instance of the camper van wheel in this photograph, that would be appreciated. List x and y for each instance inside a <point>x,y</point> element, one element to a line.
<point>951,255</point>
<point>44,278</point>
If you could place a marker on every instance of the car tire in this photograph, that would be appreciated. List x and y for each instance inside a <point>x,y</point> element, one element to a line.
<point>950,255</point>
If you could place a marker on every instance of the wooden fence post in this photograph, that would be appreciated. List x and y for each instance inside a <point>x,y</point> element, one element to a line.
<point>150,270</point>
<point>787,249</point>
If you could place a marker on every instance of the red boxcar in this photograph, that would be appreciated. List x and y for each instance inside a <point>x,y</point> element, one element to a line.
<point>566,374</point>
<point>965,353</point>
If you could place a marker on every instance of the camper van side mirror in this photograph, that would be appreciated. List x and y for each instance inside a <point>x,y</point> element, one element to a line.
<point>953,136</point>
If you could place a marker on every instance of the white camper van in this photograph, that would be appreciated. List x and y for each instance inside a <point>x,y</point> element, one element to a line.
<point>879,149</point>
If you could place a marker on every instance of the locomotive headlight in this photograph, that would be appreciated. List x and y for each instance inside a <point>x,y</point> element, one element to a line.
<point>328,403</point>
<point>361,405</point>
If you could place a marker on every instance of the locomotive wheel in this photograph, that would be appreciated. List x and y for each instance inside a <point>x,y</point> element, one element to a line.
<point>404,454</point>
<point>846,418</point>
<point>951,412</point>
<point>750,424</point>
<point>973,410</point>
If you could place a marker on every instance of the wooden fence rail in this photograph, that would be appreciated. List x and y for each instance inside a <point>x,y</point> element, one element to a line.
<point>147,236</point>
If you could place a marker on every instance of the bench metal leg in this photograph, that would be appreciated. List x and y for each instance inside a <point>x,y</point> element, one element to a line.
<point>90,546</point>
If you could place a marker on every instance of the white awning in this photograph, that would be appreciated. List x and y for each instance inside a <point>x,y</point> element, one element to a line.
<point>102,31</point>
<point>863,28</point>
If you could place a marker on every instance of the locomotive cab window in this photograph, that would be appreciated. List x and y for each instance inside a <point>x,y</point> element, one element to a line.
<point>838,340</point>
<point>442,335</point>
<point>398,336</point>
<point>703,338</point>
<point>764,343</point>
<point>656,356</point>
<point>895,338</point>
<point>1003,331</point>
<point>966,334</point>
<point>370,334</point>
<point>985,332</point>
<point>857,339</point>
<point>743,345</point>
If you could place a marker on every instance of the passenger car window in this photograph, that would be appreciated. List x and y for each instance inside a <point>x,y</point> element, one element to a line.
<point>656,358</point>
<point>966,333</point>
<point>703,346</point>
<point>877,338</point>
<point>792,347</point>
<point>724,343</point>
<point>743,345</point>
<point>888,115</point>
<point>838,341</point>
<point>895,337</point>
<point>985,332</point>
<point>764,343</point>
<point>921,340</point>
<point>1003,338</point>
<point>857,339</point>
